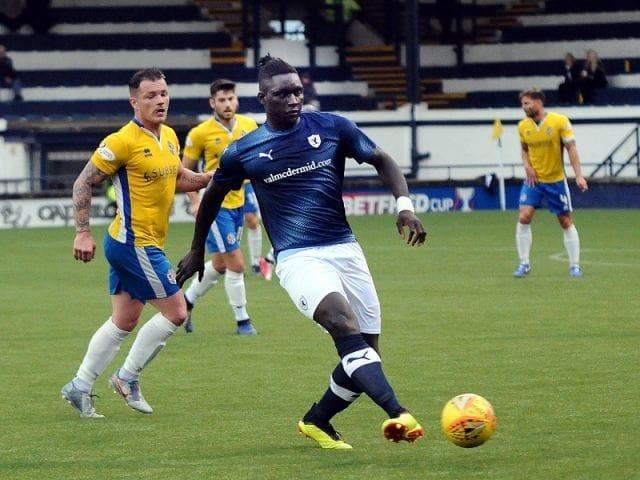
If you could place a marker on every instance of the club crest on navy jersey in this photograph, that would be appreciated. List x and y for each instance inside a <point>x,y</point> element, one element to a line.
<point>314,140</point>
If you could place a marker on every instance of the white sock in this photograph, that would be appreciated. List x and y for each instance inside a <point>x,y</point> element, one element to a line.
<point>254,239</point>
<point>572,244</point>
<point>524,238</point>
<point>102,349</point>
<point>198,288</point>
<point>234,285</point>
<point>150,339</point>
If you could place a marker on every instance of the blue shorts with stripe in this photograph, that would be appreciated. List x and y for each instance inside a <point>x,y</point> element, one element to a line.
<point>226,231</point>
<point>556,194</point>
<point>250,200</point>
<point>145,273</point>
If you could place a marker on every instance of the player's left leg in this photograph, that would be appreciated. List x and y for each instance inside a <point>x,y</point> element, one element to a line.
<point>236,291</point>
<point>571,240</point>
<point>559,199</point>
<point>223,237</point>
<point>360,368</point>
<point>161,291</point>
<point>363,300</point>
<point>363,366</point>
<point>234,278</point>
<point>198,287</point>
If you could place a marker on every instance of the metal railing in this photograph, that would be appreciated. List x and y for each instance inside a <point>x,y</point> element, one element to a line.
<point>629,149</point>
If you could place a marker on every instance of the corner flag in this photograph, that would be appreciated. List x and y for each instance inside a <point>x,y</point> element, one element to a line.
<point>496,134</point>
<point>497,129</point>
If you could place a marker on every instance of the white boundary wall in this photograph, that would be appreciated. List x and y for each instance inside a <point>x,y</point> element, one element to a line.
<point>461,146</point>
<point>459,142</point>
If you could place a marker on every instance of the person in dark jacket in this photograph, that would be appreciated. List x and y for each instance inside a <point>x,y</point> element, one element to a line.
<point>593,78</point>
<point>9,76</point>
<point>570,86</point>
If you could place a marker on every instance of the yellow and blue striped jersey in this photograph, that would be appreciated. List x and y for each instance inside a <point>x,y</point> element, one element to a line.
<point>144,170</point>
<point>545,143</point>
<point>211,137</point>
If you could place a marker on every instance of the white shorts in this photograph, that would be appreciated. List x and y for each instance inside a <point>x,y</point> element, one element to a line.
<point>310,275</point>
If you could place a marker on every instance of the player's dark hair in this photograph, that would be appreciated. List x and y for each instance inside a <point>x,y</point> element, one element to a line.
<point>269,66</point>
<point>221,84</point>
<point>151,74</point>
<point>533,94</point>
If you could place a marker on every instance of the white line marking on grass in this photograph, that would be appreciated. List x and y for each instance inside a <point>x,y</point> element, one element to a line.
<point>631,252</point>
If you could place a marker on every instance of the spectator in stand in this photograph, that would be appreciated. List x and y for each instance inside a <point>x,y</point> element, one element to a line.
<point>569,86</point>
<point>446,12</point>
<point>311,102</point>
<point>8,75</point>
<point>35,15</point>
<point>593,78</point>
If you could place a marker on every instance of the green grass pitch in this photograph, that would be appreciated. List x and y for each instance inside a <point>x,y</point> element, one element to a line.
<point>557,357</point>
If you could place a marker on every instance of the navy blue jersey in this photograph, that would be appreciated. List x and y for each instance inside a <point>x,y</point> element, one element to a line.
<point>297,176</point>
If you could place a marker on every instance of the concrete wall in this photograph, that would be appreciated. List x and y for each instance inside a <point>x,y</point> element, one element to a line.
<point>461,146</point>
<point>459,142</point>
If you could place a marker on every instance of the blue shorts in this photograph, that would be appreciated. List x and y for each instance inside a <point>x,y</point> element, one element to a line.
<point>226,231</point>
<point>556,194</point>
<point>142,272</point>
<point>250,200</point>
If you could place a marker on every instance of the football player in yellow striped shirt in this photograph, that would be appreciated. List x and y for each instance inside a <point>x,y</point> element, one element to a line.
<point>142,159</point>
<point>210,138</point>
<point>543,138</point>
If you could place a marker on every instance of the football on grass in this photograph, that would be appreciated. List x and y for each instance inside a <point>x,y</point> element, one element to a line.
<point>468,420</point>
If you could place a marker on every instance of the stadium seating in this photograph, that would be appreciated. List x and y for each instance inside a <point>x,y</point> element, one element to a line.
<point>79,68</point>
<point>531,50</point>
<point>562,6</point>
<point>91,48</point>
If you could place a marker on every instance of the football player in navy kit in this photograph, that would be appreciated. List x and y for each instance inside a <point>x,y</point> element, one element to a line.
<point>296,164</point>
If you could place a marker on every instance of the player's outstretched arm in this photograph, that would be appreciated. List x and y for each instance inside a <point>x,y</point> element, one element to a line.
<point>193,261</point>
<point>84,246</point>
<point>392,176</point>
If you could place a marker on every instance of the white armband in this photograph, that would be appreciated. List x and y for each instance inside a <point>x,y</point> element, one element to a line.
<point>404,203</point>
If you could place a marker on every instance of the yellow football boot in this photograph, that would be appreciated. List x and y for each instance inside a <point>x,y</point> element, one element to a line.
<point>402,427</point>
<point>324,434</point>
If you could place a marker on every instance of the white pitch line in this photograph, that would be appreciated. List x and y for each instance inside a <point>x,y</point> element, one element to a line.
<point>562,257</point>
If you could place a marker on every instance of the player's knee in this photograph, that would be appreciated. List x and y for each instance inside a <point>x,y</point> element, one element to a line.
<point>525,219</point>
<point>233,262</point>
<point>251,221</point>
<point>340,326</point>
<point>177,317</point>
<point>336,316</point>
<point>565,221</point>
<point>176,313</point>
